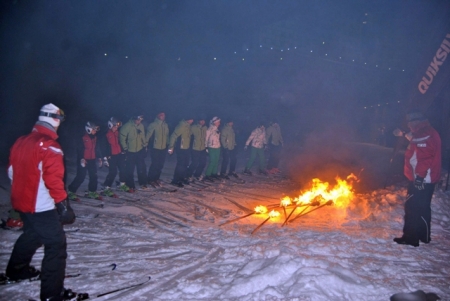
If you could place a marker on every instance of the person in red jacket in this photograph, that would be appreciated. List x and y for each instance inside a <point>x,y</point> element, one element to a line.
<point>36,170</point>
<point>115,158</point>
<point>423,169</point>
<point>88,154</point>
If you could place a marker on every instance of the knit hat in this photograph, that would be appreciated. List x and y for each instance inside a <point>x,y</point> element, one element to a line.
<point>415,115</point>
<point>214,119</point>
<point>51,114</point>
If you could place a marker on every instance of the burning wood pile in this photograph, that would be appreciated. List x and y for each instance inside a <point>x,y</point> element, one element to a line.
<point>318,195</point>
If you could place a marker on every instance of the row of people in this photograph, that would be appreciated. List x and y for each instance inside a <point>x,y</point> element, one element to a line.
<point>128,145</point>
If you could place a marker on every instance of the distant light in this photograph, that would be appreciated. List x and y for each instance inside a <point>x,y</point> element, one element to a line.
<point>281,58</point>
<point>179,58</point>
<point>247,49</point>
<point>243,59</point>
<point>366,14</point>
<point>295,47</point>
<point>323,42</point>
<point>403,70</point>
<point>288,48</point>
<point>340,57</point>
<point>260,45</point>
<point>379,105</point>
<point>398,101</point>
<point>376,66</point>
<point>311,50</point>
<point>387,103</point>
<point>353,60</point>
<point>365,107</point>
<point>326,54</point>
<point>126,56</point>
<point>106,54</point>
<point>235,52</point>
<point>364,22</point>
<point>271,48</point>
<point>365,63</point>
<point>215,58</point>
<point>389,68</point>
<point>282,50</point>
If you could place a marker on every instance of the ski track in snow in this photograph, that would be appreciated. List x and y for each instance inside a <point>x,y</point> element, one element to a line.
<point>176,239</point>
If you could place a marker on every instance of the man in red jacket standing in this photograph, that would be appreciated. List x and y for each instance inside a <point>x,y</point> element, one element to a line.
<point>36,171</point>
<point>423,170</point>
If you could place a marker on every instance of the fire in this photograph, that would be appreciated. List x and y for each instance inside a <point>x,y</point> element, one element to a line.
<point>274,213</point>
<point>341,193</point>
<point>286,201</point>
<point>261,209</point>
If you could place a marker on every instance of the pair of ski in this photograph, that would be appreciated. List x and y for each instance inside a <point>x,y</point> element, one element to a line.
<point>86,296</point>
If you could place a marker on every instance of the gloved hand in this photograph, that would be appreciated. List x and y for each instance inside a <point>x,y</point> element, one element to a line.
<point>105,162</point>
<point>99,162</point>
<point>418,183</point>
<point>170,151</point>
<point>409,136</point>
<point>398,132</point>
<point>245,147</point>
<point>66,214</point>
<point>83,163</point>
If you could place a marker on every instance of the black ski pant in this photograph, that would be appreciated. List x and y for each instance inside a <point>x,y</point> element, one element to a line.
<point>228,156</point>
<point>41,228</point>
<point>180,173</point>
<point>158,158</point>
<point>198,163</point>
<point>116,162</point>
<point>132,161</point>
<point>418,214</point>
<point>91,168</point>
<point>274,156</point>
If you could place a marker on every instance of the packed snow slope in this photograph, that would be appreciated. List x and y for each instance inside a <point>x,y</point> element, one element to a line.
<point>177,239</point>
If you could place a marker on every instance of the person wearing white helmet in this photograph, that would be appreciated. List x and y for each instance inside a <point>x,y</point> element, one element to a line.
<point>114,158</point>
<point>89,156</point>
<point>36,170</point>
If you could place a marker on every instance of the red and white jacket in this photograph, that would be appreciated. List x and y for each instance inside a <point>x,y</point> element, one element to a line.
<point>36,170</point>
<point>423,155</point>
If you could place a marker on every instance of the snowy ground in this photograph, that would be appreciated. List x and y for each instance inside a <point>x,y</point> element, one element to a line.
<point>175,238</point>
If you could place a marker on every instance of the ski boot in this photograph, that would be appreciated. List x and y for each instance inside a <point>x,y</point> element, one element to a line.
<point>108,192</point>
<point>72,196</point>
<point>26,273</point>
<point>92,195</point>
<point>123,187</point>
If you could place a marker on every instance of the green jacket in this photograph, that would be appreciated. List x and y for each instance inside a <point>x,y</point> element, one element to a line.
<point>273,134</point>
<point>160,132</point>
<point>132,137</point>
<point>182,130</point>
<point>228,138</point>
<point>199,133</point>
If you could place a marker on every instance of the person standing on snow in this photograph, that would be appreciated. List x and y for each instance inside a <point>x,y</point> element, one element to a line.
<point>258,140</point>
<point>132,140</point>
<point>198,151</point>
<point>114,158</point>
<point>157,138</point>
<point>182,137</point>
<point>228,142</point>
<point>275,143</point>
<point>212,142</point>
<point>423,170</point>
<point>88,155</point>
<point>36,170</point>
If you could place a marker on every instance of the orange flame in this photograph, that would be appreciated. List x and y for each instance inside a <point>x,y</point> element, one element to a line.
<point>274,213</point>
<point>260,209</point>
<point>341,193</point>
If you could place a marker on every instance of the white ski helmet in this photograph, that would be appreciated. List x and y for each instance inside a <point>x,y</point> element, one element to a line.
<point>113,122</point>
<point>90,126</point>
<point>51,114</point>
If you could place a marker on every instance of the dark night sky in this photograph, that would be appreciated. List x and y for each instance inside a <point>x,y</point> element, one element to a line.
<point>160,56</point>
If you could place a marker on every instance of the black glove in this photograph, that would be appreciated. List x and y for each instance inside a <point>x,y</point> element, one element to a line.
<point>66,214</point>
<point>418,183</point>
